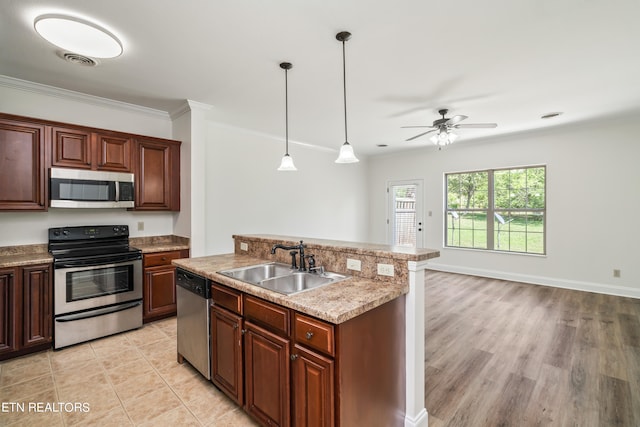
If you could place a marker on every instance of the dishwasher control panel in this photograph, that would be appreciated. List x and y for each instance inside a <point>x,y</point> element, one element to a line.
<point>193,283</point>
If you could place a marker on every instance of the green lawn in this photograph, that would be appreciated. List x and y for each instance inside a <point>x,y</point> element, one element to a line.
<point>518,234</point>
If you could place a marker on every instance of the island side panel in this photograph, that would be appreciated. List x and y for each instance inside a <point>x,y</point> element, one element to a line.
<point>370,374</point>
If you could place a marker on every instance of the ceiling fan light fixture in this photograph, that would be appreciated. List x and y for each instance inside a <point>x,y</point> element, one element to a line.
<point>443,138</point>
<point>286,165</point>
<point>346,150</point>
<point>78,35</point>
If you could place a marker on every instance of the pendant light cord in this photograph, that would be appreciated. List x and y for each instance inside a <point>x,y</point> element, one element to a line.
<point>286,111</point>
<point>344,81</point>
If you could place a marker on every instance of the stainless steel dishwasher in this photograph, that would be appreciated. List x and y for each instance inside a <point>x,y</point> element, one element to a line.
<point>193,294</point>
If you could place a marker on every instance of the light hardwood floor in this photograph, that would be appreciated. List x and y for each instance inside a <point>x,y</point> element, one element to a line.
<point>502,353</point>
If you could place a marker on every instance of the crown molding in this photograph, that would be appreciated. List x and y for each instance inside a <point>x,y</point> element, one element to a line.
<point>41,89</point>
<point>188,106</point>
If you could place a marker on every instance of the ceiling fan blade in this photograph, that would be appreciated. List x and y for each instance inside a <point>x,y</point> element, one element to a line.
<point>409,127</point>
<point>420,134</point>
<point>455,119</point>
<point>476,126</point>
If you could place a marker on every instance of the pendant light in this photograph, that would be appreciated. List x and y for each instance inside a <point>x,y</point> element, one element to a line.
<point>287,162</point>
<point>346,151</point>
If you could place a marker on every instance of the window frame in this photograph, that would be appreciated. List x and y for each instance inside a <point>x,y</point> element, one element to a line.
<point>491,210</point>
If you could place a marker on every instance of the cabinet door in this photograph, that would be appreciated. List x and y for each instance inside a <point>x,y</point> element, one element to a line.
<point>8,306</point>
<point>266,376</point>
<point>312,388</point>
<point>22,166</point>
<point>113,152</point>
<point>71,148</point>
<point>157,175</point>
<point>226,353</point>
<point>37,305</point>
<point>159,292</point>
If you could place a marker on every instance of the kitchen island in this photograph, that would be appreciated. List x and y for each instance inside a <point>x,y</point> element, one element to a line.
<point>372,326</point>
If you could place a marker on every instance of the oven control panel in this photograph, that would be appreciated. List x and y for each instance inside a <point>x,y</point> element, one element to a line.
<point>88,232</point>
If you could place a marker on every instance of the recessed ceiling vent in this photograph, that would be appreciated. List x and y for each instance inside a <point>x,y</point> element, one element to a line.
<point>76,58</point>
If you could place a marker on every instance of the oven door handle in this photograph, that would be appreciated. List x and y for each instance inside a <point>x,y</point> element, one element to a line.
<point>98,312</point>
<point>94,262</point>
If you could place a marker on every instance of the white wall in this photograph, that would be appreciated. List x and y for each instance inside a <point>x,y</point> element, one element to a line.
<point>593,183</point>
<point>246,194</point>
<point>33,100</point>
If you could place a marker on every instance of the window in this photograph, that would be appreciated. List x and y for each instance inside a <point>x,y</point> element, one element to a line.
<point>497,209</point>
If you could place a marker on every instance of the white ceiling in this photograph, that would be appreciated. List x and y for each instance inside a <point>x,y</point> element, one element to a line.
<point>499,61</point>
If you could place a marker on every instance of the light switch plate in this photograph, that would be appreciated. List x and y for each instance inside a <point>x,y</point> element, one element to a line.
<point>385,270</point>
<point>244,246</point>
<point>354,264</point>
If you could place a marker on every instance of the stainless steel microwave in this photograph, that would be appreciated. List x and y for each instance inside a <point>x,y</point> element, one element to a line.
<point>77,188</point>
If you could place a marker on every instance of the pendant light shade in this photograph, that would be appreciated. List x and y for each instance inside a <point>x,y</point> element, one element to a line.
<point>346,151</point>
<point>286,165</point>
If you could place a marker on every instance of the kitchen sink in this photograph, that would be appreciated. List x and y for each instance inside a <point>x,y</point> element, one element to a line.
<point>255,274</point>
<point>281,278</point>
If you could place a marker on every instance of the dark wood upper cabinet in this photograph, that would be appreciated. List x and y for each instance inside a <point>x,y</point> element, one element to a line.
<point>29,147</point>
<point>82,149</point>
<point>157,174</point>
<point>71,148</point>
<point>113,152</point>
<point>22,166</point>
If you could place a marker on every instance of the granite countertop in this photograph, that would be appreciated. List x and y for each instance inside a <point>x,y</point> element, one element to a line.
<point>334,303</point>
<point>17,256</point>
<point>159,243</point>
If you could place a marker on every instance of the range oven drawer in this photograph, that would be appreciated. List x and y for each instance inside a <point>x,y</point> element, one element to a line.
<point>80,327</point>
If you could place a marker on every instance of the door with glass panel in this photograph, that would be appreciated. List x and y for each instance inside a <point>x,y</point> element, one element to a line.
<point>405,217</point>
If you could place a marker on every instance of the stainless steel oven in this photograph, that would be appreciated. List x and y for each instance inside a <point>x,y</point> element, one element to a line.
<point>97,283</point>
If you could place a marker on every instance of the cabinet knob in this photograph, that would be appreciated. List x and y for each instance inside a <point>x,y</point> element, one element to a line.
<point>309,335</point>
<point>294,356</point>
<point>243,331</point>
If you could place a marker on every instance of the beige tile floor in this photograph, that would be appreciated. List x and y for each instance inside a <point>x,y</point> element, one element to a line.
<point>126,379</point>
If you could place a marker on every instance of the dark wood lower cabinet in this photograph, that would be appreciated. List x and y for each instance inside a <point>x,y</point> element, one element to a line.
<point>267,376</point>
<point>159,285</point>
<point>26,310</point>
<point>305,372</point>
<point>37,321</point>
<point>226,349</point>
<point>312,384</point>
<point>8,306</point>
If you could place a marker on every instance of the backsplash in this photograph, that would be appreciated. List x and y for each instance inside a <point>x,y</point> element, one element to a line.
<point>331,256</point>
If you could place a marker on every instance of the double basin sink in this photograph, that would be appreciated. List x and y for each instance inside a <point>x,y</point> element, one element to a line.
<point>282,278</point>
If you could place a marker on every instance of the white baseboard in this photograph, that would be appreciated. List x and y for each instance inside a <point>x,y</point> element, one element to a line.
<point>420,420</point>
<point>540,280</point>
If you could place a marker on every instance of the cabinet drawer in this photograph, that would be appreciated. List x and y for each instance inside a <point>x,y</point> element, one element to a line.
<point>266,314</point>
<point>162,258</point>
<point>313,333</point>
<point>227,298</point>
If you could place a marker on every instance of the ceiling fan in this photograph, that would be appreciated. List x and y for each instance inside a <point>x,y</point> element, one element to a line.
<point>444,126</point>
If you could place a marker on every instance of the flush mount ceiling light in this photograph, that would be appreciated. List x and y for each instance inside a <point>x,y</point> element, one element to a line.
<point>78,36</point>
<point>287,162</point>
<point>346,151</point>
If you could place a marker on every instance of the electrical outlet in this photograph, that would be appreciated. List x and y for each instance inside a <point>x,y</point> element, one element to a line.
<point>616,273</point>
<point>385,270</point>
<point>244,246</point>
<point>140,225</point>
<point>354,264</point>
